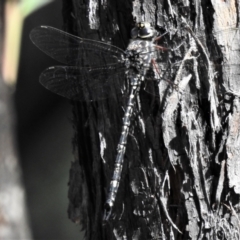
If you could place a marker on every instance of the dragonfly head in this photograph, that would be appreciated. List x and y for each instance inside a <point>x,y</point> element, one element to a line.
<point>143,30</point>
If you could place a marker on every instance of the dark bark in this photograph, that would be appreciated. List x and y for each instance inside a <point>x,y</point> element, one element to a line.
<point>13,215</point>
<point>180,175</point>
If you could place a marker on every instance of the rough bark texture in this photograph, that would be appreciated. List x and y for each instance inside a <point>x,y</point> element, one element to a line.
<point>13,216</point>
<point>181,173</point>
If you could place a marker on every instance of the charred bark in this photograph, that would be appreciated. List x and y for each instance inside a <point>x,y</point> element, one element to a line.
<point>180,175</point>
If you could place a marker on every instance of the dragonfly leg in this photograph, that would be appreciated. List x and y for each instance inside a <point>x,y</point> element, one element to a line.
<point>161,48</point>
<point>155,66</point>
<point>158,46</point>
<point>107,212</point>
<point>159,37</point>
<point>164,48</point>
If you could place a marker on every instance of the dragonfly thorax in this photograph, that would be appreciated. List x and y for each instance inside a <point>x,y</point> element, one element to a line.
<point>134,63</point>
<point>139,55</point>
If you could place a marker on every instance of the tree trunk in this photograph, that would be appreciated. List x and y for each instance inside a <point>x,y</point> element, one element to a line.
<point>180,174</point>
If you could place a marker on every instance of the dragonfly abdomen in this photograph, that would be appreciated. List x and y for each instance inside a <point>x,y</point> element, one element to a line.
<point>121,148</point>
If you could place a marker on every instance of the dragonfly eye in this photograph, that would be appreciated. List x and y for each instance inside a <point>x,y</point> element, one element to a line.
<point>134,33</point>
<point>146,32</point>
<point>143,30</point>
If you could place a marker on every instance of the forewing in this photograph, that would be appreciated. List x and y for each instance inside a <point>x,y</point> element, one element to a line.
<point>83,84</point>
<point>73,50</point>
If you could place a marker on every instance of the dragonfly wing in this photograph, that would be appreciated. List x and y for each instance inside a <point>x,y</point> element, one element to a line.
<point>73,50</point>
<point>83,84</point>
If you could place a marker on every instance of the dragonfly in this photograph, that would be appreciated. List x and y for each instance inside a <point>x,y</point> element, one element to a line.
<point>91,82</point>
<point>104,71</point>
